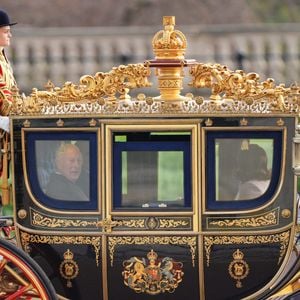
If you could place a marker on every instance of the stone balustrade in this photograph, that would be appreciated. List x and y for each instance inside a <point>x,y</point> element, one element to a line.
<point>65,54</point>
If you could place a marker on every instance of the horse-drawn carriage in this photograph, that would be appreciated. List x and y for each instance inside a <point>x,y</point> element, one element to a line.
<point>169,196</point>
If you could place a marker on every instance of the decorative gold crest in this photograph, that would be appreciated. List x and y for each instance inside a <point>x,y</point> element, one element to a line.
<point>68,268</point>
<point>26,123</point>
<point>60,123</point>
<point>152,275</point>
<point>238,269</point>
<point>93,123</point>
<point>209,122</point>
<point>244,122</point>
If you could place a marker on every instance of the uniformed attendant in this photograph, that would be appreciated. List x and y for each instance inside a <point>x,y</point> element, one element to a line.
<point>8,88</point>
<point>7,81</point>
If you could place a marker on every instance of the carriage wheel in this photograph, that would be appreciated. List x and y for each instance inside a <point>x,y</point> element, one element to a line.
<point>21,277</point>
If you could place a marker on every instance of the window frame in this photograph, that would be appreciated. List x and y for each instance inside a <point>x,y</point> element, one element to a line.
<point>210,135</point>
<point>37,195</point>
<point>167,126</point>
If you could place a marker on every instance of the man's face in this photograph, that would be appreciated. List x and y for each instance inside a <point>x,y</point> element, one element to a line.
<point>69,163</point>
<point>5,36</point>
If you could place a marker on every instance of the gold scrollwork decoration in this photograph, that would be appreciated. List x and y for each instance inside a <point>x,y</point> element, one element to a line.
<point>102,87</point>
<point>172,223</point>
<point>150,106</point>
<point>27,238</point>
<point>108,92</point>
<point>282,238</point>
<point>134,223</point>
<point>114,241</point>
<point>268,219</point>
<point>41,220</point>
<point>240,86</point>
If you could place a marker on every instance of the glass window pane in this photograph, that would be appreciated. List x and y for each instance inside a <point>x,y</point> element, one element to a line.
<point>152,170</point>
<point>243,168</point>
<point>170,176</point>
<point>59,168</point>
<point>63,169</point>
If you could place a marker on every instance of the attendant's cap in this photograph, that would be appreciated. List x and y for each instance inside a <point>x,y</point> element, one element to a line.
<point>4,19</point>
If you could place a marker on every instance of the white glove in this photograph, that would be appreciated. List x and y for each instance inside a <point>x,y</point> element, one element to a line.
<point>4,123</point>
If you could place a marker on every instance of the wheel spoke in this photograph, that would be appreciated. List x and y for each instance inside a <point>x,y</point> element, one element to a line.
<point>16,275</point>
<point>19,292</point>
<point>17,280</point>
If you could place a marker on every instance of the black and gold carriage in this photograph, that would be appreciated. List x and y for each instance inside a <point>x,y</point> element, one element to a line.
<point>171,213</point>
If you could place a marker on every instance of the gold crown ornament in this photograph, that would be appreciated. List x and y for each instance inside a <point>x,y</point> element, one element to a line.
<point>152,255</point>
<point>169,43</point>
<point>169,46</point>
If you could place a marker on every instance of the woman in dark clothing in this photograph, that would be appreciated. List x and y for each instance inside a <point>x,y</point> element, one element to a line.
<point>253,173</point>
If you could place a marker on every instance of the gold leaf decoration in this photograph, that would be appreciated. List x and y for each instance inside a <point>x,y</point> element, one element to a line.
<point>114,241</point>
<point>102,87</point>
<point>53,222</point>
<point>241,86</point>
<point>27,238</point>
<point>172,223</point>
<point>268,219</point>
<point>282,238</point>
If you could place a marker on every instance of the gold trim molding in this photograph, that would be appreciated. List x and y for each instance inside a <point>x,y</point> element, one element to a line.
<point>282,238</point>
<point>143,104</point>
<point>27,238</point>
<point>114,241</point>
<point>46,221</point>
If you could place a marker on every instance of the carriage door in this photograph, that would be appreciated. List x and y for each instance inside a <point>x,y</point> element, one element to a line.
<point>58,202</point>
<point>248,193</point>
<point>151,175</point>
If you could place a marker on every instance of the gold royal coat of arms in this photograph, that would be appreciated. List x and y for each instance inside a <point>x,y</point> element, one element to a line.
<point>152,275</point>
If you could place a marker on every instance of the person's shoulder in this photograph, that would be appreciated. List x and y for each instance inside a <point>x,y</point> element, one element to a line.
<point>56,179</point>
<point>56,186</point>
<point>55,176</point>
<point>249,190</point>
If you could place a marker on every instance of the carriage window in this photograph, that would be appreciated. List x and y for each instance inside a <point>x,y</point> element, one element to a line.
<point>59,168</point>
<point>151,170</point>
<point>63,175</point>
<point>242,168</point>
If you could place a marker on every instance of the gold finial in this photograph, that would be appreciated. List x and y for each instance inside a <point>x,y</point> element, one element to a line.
<point>169,20</point>
<point>169,43</point>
